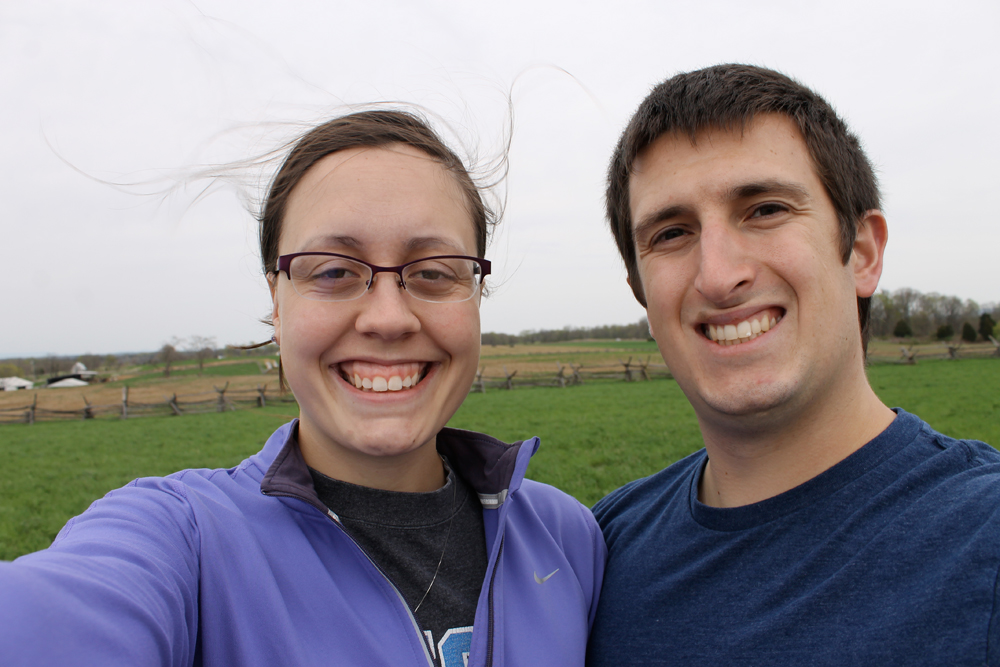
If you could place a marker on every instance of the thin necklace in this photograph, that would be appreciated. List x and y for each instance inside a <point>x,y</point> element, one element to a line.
<point>447,535</point>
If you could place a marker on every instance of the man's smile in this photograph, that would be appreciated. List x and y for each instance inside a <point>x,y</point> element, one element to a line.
<point>743,330</point>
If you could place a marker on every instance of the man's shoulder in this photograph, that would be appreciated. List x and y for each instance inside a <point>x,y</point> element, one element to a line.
<point>968,470</point>
<point>648,493</point>
<point>954,455</point>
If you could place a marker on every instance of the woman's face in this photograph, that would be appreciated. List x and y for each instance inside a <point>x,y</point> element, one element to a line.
<point>386,206</point>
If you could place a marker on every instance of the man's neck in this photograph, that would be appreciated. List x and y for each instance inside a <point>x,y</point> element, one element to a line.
<point>749,463</point>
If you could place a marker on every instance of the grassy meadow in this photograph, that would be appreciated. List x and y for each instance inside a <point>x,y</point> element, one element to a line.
<point>595,437</point>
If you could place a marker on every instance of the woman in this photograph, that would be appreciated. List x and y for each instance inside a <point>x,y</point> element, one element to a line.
<point>364,533</point>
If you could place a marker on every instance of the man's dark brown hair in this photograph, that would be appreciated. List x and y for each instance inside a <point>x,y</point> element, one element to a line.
<point>729,98</point>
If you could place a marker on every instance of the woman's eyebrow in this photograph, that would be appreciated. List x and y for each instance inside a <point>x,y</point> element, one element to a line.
<point>330,241</point>
<point>421,242</point>
<point>343,240</point>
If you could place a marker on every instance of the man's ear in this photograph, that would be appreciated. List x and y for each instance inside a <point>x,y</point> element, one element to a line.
<point>866,256</point>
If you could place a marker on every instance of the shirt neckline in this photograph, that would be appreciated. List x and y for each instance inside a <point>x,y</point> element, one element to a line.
<point>901,431</point>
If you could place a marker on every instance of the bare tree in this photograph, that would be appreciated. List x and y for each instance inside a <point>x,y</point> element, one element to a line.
<point>904,299</point>
<point>202,348</point>
<point>91,361</point>
<point>169,354</point>
<point>881,314</point>
<point>951,307</point>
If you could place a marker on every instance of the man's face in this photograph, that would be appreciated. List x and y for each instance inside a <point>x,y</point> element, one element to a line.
<point>747,296</point>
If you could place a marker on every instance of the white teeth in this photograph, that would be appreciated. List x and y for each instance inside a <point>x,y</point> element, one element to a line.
<point>742,332</point>
<point>381,384</point>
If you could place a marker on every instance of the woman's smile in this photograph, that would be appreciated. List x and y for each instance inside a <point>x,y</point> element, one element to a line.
<point>382,377</point>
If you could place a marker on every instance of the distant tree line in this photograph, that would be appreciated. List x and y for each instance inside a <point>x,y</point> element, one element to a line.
<point>906,312</point>
<point>199,348</point>
<point>901,313</point>
<point>636,331</point>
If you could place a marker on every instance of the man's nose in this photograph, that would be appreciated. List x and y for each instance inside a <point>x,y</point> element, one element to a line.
<point>725,267</point>
<point>386,309</point>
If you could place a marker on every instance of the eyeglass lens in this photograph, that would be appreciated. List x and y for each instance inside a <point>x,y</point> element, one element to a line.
<point>324,278</point>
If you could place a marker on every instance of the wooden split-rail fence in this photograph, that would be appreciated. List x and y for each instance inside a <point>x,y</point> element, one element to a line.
<point>221,400</point>
<point>948,350</point>
<point>631,370</point>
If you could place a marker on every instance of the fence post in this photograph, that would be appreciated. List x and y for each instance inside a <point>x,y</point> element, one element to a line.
<point>509,382</point>
<point>221,407</point>
<point>576,373</point>
<point>953,351</point>
<point>173,405</point>
<point>260,396</point>
<point>125,402</point>
<point>88,412</point>
<point>996,344</point>
<point>909,355</point>
<point>628,370</point>
<point>480,383</point>
<point>642,369</point>
<point>30,414</point>
<point>560,379</point>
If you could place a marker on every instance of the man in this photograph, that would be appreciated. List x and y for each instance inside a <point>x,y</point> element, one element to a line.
<point>817,526</point>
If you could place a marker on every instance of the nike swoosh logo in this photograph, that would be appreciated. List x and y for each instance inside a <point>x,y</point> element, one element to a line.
<point>542,580</point>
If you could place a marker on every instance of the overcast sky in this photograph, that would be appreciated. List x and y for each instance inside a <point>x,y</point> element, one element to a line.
<point>144,92</point>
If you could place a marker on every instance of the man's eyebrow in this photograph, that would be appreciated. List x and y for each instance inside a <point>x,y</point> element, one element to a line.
<point>773,187</point>
<point>656,217</point>
<point>742,191</point>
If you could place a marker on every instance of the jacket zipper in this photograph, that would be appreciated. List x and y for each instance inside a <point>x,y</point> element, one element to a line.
<point>489,629</point>
<point>402,600</point>
<point>413,619</point>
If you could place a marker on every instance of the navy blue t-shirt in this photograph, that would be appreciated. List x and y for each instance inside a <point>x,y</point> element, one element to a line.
<point>891,557</point>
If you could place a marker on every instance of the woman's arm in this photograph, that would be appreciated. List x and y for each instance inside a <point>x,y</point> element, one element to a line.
<point>118,586</point>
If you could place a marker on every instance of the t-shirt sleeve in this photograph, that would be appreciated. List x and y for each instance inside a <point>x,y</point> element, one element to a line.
<point>118,586</point>
<point>600,557</point>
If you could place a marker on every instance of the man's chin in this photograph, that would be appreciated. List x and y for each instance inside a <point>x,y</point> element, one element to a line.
<point>748,407</point>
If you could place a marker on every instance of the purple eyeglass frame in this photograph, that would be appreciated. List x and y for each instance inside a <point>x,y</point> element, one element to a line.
<point>285,263</point>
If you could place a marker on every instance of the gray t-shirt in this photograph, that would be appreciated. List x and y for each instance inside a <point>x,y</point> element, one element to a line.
<point>405,534</point>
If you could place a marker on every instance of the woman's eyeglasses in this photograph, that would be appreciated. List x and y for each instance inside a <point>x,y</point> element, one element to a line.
<point>328,276</point>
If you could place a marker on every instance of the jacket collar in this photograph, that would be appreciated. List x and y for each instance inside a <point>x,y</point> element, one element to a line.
<point>492,467</point>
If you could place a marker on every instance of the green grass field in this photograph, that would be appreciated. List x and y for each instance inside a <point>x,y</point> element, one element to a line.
<point>595,437</point>
<point>190,368</point>
<point>54,470</point>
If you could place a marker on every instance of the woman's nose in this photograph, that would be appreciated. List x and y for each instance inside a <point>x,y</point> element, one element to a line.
<point>386,309</point>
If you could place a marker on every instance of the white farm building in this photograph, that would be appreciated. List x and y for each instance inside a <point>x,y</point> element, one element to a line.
<point>14,383</point>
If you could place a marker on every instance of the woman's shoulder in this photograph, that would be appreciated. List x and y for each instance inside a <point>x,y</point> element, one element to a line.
<point>554,511</point>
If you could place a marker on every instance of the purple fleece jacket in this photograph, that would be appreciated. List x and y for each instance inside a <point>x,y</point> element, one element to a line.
<point>246,567</point>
